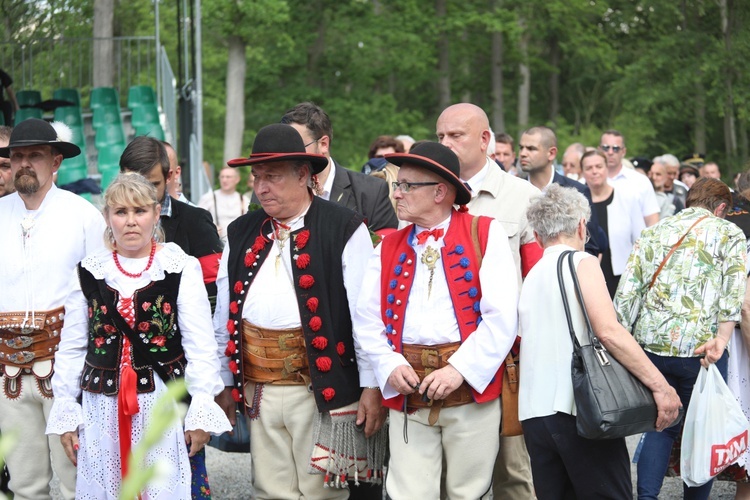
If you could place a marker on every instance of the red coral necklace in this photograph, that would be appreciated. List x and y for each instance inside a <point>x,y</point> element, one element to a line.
<point>148,265</point>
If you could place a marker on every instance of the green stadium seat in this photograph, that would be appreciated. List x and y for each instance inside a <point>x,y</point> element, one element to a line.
<point>79,138</point>
<point>151,130</point>
<point>141,95</point>
<point>108,175</point>
<point>71,170</point>
<point>110,156</point>
<point>28,97</point>
<point>144,115</point>
<point>102,96</point>
<point>70,95</point>
<point>69,115</point>
<point>106,115</point>
<point>106,135</point>
<point>24,113</point>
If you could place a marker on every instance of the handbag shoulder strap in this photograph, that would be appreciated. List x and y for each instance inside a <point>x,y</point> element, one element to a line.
<point>124,327</point>
<point>577,287</point>
<point>564,295</point>
<point>475,240</point>
<point>592,337</point>
<point>671,251</point>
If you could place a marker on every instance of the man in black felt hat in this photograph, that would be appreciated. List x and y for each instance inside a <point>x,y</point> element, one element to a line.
<point>46,232</point>
<point>434,335</point>
<point>286,280</point>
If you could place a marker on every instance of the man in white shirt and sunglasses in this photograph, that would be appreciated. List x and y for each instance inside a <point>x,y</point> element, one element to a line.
<point>612,144</point>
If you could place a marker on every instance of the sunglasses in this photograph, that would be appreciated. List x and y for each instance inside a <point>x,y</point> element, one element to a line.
<point>606,148</point>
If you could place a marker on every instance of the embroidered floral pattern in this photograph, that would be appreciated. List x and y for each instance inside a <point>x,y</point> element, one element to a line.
<point>161,327</point>
<point>97,328</point>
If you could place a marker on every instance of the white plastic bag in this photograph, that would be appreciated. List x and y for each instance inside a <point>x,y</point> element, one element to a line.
<point>715,432</point>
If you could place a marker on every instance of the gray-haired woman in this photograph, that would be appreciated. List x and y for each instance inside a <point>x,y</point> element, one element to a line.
<point>564,464</point>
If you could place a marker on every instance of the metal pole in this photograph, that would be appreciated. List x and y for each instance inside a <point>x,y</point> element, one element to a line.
<point>198,83</point>
<point>157,54</point>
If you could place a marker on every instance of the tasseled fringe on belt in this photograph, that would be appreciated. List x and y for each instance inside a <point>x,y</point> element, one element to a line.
<point>341,451</point>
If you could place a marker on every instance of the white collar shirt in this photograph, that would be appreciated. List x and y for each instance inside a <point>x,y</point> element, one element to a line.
<point>36,269</point>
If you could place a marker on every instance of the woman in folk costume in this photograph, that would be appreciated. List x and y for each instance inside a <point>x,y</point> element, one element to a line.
<point>138,316</point>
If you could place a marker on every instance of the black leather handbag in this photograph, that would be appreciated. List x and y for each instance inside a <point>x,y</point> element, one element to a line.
<point>236,442</point>
<point>611,403</point>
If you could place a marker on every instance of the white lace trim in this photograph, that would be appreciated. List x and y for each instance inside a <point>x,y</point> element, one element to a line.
<point>170,259</point>
<point>66,415</point>
<point>206,415</point>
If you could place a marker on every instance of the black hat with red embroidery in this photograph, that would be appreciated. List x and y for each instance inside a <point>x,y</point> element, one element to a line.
<point>280,142</point>
<point>437,159</point>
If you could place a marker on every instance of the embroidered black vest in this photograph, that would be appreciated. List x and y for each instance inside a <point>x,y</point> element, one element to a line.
<point>315,251</point>
<point>155,308</point>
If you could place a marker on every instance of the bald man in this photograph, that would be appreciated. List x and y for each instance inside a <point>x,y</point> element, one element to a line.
<point>226,203</point>
<point>465,129</point>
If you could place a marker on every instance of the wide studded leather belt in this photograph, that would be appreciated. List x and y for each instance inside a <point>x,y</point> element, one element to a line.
<point>427,358</point>
<point>26,339</point>
<point>274,356</point>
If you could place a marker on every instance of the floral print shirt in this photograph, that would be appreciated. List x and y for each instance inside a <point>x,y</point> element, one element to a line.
<point>701,285</point>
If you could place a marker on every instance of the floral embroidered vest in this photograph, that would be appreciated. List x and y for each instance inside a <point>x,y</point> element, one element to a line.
<point>459,259</point>
<point>155,309</point>
<point>318,278</point>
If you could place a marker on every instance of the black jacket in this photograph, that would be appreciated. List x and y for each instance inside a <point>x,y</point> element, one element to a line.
<point>194,231</point>
<point>366,195</point>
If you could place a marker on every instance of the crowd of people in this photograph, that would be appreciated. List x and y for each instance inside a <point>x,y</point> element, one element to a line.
<point>361,323</point>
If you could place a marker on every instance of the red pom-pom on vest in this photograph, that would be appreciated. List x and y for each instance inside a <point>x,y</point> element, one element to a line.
<point>323,363</point>
<point>315,323</point>
<point>306,281</point>
<point>231,348</point>
<point>258,245</point>
<point>238,287</point>
<point>319,342</point>
<point>231,327</point>
<point>303,260</point>
<point>340,348</point>
<point>233,307</point>
<point>300,241</point>
<point>328,393</point>
<point>233,367</point>
<point>236,395</point>
<point>312,304</point>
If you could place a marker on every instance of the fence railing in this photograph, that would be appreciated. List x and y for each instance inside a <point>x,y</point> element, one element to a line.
<point>48,64</point>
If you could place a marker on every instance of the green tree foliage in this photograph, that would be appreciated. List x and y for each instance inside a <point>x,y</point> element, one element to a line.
<point>646,67</point>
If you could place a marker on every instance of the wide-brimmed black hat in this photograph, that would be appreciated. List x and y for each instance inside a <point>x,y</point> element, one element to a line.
<point>36,132</point>
<point>437,159</point>
<point>280,142</point>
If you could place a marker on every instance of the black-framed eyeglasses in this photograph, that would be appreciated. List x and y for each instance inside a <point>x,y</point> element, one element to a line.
<point>607,147</point>
<point>311,142</point>
<point>406,187</point>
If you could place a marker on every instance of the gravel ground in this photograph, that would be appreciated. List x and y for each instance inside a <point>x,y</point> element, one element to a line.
<point>230,477</point>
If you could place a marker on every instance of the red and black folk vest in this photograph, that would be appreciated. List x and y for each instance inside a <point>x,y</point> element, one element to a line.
<point>315,250</point>
<point>155,308</point>
<point>459,259</point>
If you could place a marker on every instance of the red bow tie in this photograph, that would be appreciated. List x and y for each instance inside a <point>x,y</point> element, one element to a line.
<point>435,233</point>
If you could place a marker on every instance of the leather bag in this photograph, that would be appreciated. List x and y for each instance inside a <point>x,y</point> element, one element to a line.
<point>509,424</point>
<point>611,403</point>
